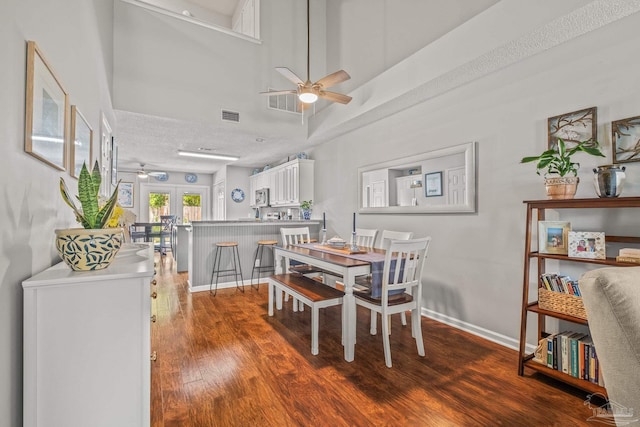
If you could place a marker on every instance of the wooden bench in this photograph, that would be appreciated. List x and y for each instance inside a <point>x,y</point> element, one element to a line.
<point>308,291</point>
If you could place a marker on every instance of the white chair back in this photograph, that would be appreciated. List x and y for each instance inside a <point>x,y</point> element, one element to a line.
<point>387,236</point>
<point>366,237</point>
<point>295,235</point>
<point>406,257</point>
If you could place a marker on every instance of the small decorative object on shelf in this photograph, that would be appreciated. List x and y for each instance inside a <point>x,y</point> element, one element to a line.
<point>306,209</point>
<point>608,180</point>
<point>557,161</point>
<point>94,246</point>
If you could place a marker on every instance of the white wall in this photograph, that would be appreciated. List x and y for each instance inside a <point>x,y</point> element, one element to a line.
<point>473,275</point>
<point>71,34</point>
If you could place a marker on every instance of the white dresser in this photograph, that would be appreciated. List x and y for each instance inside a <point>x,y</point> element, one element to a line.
<point>87,344</point>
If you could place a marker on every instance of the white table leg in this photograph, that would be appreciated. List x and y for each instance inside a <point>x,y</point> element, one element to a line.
<point>278,270</point>
<point>349,318</point>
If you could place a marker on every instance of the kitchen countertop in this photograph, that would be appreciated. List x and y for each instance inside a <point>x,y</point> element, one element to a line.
<point>251,221</point>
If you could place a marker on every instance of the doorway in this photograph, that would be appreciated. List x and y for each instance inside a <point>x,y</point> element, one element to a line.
<point>187,203</point>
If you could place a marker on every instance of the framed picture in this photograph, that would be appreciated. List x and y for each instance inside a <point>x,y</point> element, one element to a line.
<point>114,162</point>
<point>573,127</point>
<point>625,137</point>
<point>46,115</point>
<point>81,142</point>
<point>433,184</point>
<point>125,194</point>
<point>553,237</point>
<point>587,244</point>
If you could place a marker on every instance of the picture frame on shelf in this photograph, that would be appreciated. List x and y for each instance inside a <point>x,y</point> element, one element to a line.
<point>81,143</point>
<point>125,194</point>
<point>433,184</point>
<point>625,140</point>
<point>46,111</point>
<point>587,244</point>
<point>553,237</point>
<point>573,127</point>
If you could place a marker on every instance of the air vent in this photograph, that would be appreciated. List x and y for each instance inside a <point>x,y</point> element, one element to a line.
<point>230,116</point>
<point>286,102</point>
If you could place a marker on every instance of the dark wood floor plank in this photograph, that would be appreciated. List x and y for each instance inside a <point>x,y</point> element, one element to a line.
<point>222,361</point>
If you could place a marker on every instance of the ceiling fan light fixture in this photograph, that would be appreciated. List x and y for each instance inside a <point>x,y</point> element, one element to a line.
<point>307,95</point>
<point>207,155</point>
<point>142,175</point>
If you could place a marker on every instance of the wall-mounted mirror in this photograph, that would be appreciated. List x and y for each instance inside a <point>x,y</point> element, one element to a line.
<point>439,181</point>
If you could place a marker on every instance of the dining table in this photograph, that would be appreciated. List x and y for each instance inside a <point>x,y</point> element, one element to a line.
<point>341,262</point>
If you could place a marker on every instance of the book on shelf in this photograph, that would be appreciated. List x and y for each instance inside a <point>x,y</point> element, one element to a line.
<point>629,252</point>
<point>560,283</point>
<point>572,353</point>
<point>633,260</point>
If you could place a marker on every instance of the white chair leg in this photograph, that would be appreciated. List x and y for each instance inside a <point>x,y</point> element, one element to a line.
<point>386,341</point>
<point>389,322</point>
<point>374,323</point>
<point>314,330</point>
<point>271,292</point>
<point>416,328</point>
<point>403,315</point>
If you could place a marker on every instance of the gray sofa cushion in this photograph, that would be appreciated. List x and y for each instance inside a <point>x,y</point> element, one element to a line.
<point>612,300</point>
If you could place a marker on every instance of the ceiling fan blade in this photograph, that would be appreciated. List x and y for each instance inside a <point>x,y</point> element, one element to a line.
<point>279,92</point>
<point>156,173</point>
<point>290,75</point>
<point>334,96</point>
<point>333,79</point>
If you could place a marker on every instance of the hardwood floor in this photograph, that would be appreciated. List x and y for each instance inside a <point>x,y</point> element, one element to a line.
<point>223,362</point>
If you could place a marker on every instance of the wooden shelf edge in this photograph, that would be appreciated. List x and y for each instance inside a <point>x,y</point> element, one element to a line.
<point>560,376</point>
<point>607,261</point>
<point>606,202</point>
<point>535,308</point>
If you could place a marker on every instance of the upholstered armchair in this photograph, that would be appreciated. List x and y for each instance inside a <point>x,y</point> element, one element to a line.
<point>611,298</point>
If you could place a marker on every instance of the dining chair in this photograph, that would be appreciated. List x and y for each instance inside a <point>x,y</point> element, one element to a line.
<point>387,236</point>
<point>294,236</point>
<point>137,233</point>
<point>166,235</point>
<point>402,271</point>
<point>366,237</point>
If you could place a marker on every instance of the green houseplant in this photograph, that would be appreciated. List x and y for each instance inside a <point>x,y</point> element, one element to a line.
<point>94,246</point>
<point>559,163</point>
<point>306,209</point>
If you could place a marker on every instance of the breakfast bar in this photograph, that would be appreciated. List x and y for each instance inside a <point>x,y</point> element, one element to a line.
<point>205,234</point>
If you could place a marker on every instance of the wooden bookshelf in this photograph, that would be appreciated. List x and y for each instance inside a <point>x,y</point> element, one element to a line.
<point>535,262</point>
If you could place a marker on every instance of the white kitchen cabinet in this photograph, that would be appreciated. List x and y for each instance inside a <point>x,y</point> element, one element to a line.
<point>87,344</point>
<point>289,183</point>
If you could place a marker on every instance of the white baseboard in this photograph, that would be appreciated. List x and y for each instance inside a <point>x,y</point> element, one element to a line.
<point>203,288</point>
<point>492,336</point>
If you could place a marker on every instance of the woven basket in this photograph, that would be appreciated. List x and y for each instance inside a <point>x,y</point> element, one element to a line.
<point>561,303</point>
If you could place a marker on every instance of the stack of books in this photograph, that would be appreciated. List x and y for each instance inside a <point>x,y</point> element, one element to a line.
<point>574,354</point>
<point>560,283</point>
<point>631,255</point>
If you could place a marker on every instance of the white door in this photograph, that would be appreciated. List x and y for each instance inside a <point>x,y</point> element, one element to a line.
<point>219,201</point>
<point>179,200</point>
<point>456,186</point>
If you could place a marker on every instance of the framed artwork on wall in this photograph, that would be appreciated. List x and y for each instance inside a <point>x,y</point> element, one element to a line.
<point>114,162</point>
<point>625,140</point>
<point>433,184</point>
<point>573,127</point>
<point>553,237</point>
<point>81,143</point>
<point>46,112</point>
<point>125,194</point>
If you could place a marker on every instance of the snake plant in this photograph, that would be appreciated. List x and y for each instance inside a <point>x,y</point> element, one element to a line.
<point>92,215</point>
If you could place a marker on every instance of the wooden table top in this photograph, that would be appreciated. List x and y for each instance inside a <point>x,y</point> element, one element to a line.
<point>334,258</point>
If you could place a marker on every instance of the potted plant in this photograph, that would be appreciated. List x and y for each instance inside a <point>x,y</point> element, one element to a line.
<point>94,246</point>
<point>306,209</point>
<point>558,162</point>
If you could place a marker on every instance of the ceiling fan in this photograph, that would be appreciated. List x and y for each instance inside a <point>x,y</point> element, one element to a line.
<point>142,174</point>
<point>309,92</point>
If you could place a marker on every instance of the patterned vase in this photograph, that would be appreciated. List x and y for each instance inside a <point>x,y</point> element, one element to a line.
<point>306,214</point>
<point>89,249</point>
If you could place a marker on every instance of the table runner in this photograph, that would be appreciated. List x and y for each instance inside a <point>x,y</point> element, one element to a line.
<point>376,259</point>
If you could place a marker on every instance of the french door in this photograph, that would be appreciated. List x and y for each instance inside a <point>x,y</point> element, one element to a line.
<point>187,203</point>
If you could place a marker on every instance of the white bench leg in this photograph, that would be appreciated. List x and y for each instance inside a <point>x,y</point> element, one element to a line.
<point>315,312</point>
<point>271,292</point>
<point>278,296</point>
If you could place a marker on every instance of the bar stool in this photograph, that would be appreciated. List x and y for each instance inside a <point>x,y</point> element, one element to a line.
<point>258,260</point>
<point>217,270</point>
